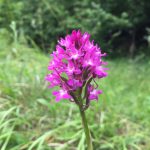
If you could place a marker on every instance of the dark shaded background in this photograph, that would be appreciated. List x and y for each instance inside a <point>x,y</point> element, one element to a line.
<point>122,28</point>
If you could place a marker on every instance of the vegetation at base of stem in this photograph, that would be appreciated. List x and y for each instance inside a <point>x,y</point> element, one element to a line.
<point>30,119</point>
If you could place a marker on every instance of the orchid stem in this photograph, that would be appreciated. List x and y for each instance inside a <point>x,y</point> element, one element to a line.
<point>86,129</point>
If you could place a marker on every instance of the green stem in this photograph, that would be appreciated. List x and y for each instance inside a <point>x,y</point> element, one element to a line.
<point>86,129</point>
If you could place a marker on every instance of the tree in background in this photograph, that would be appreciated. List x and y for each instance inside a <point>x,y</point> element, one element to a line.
<point>119,25</point>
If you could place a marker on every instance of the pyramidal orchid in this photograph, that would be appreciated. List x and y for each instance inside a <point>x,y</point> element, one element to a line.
<point>74,68</point>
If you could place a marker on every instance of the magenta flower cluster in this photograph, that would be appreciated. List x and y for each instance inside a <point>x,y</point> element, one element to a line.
<point>74,66</point>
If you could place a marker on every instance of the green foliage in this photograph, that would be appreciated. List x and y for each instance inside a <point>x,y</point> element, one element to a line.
<point>31,119</point>
<point>113,24</point>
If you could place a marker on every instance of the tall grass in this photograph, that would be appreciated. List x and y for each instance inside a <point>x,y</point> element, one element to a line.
<point>31,119</point>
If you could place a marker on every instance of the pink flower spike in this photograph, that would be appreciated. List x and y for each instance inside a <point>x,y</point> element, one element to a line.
<point>75,63</point>
<point>74,66</point>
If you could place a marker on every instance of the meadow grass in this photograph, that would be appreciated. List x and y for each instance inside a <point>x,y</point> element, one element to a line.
<point>30,119</point>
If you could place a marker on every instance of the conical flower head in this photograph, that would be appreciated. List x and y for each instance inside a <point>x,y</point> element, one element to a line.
<point>76,62</point>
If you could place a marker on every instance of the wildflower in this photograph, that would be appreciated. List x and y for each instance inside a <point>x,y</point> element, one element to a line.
<point>75,65</point>
<point>76,62</point>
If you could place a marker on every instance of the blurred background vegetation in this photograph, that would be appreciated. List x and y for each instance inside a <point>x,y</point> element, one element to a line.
<point>30,119</point>
<point>121,27</point>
